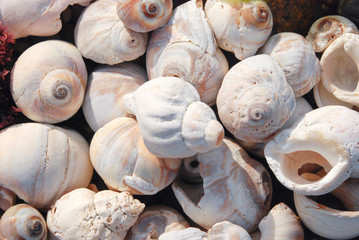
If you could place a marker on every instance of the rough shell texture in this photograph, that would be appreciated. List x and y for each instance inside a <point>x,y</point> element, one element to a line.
<point>255,99</point>
<point>234,187</point>
<point>48,81</point>
<point>190,233</point>
<point>106,87</point>
<point>179,125</point>
<point>85,215</point>
<point>240,27</point>
<point>227,231</point>
<point>120,157</point>
<point>42,162</point>
<point>102,37</point>
<point>186,48</point>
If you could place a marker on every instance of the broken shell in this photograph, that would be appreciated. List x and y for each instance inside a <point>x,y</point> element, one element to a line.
<point>7,198</point>
<point>297,58</point>
<point>106,87</point>
<point>227,231</point>
<point>84,214</point>
<point>186,48</point>
<point>235,188</point>
<point>144,15</point>
<point>49,162</point>
<point>328,28</point>
<point>255,99</point>
<point>326,138</point>
<point>37,18</point>
<point>190,233</point>
<point>48,81</point>
<point>102,37</point>
<point>180,125</point>
<point>22,221</point>
<point>240,27</point>
<point>120,157</point>
<point>156,220</point>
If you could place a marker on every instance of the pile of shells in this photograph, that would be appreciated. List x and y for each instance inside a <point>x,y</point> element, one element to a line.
<point>214,127</point>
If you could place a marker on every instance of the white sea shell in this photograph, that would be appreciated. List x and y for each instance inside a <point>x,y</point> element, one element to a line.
<point>348,194</point>
<point>190,233</point>
<point>7,198</point>
<point>227,231</point>
<point>186,48</point>
<point>48,81</point>
<point>102,37</point>
<point>173,121</point>
<point>106,87</point>
<point>240,27</point>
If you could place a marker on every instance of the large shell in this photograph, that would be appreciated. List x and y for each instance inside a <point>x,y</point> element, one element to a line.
<point>179,125</point>
<point>48,81</point>
<point>42,162</point>
<point>106,87</point>
<point>186,48</point>
<point>120,157</point>
<point>240,27</point>
<point>102,37</point>
<point>255,99</point>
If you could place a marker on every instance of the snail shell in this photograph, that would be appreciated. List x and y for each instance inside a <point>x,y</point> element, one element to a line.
<point>102,37</point>
<point>227,230</point>
<point>144,15</point>
<point>190,233</point>
<point>22,221</point>
<point>48,81</point>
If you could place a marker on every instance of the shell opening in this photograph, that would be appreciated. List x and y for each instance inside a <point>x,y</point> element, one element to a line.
<point>34,226</point>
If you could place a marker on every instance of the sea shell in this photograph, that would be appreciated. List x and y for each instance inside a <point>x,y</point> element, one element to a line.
<point>7,198</point>
<point>240,27</point>
<point>234,187</point>
<point>85,215</point>
<point>102,37</point>
<point>42,162</point>
<point>348,194</point>
<point>38,18</point>
<point>179,125</point>
<point>190,233</point>
<point>48,81</point>
<point>325,138</point>
<point>106,87</point>
<point>120,157</point>
<point>186,48</point>
<point>22,221</point>
<point>144,15</point>
<point>255,99</point>
<point>328,28</point>
<point>227,231</point>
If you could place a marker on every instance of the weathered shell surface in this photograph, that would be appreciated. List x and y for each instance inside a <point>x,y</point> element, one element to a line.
<point>186,48</point>
<point>120,157</point>
<point>190,233</point>
<point>227,231</point>
<point>102,37</point>
<point>48,81</point>
<point>106,87</point>
<point>240,26</point>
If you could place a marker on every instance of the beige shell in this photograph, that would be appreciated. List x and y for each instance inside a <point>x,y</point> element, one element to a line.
<point>120,157</point>
<point>85,215</point>
<point>106,87</point>
<point>348,194</point>
<point>38,18</point>
<point>173,121</point>
<point>297,58</point>
<point>328,28</point>
<point>22,221</point>
<point>190,233</point>
<point>234,187</point>
<point>144,15</point>
<point>227,231</point>
<point>255,99</point>
<point>42,162</point>
<point>186,48</point>
<point>7,198</point>
<point>102,37</point>
<point>48,81</point>
<point>240,27</point>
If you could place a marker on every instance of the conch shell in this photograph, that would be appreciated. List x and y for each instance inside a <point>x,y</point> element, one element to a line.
<point>179,125</point>
<point>48,81</point>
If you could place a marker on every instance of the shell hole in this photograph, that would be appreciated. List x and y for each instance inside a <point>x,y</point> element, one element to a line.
<point>311,168</point>
<point>194,164</point>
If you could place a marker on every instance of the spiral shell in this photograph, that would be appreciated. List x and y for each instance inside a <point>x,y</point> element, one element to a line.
<point>102,37</point>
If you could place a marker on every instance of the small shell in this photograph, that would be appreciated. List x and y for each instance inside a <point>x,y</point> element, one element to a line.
<point>48,81</point>
<point>7,198</point>
<point>228,231</point>
<point>144,15</point>
<point>190,233</point>
<point>120,157</point>
<point>240,27</point>
<point>180,125</point>
<point>22,221</point>
<point>106,87</point>
<point>102,37</point>
<point>328,28</point>
<point>255,99</point>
